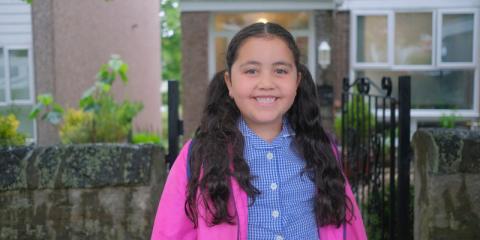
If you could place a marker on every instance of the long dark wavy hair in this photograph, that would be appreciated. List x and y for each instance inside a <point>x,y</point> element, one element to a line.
<point>217,154</point>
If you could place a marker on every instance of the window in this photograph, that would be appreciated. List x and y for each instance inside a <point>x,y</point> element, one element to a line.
<point>438,89</point>
<point>372,39</point>
<point>413,38</point>
<point>225,25</point>
<point>437,48</point>
<point>457,38</point>
<point>16,86</point>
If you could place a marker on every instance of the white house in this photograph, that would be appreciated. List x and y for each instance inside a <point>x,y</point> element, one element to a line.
<point>58,46</point>
<point>436,42</point>
<point>16,63</point>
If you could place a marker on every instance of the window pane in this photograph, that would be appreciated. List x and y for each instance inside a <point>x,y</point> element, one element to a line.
<point>302,43</point>
<point>235,21</point>
<point>457,38</point>
<point>2,76</point>
<point>21,113</point>
<point>443,89</point>
<point>19,75</point>
<point>413,38</point>
<point>372,44</point>
<point>220,50</point>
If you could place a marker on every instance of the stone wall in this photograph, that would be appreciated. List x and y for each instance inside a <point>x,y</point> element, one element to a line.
<point>447,180</point>
<point>97,191</point>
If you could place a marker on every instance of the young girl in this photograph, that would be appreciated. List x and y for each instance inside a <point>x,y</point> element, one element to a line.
<point>260,165</point>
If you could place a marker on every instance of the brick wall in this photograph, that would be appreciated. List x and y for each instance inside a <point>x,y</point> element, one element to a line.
<point>195,67</point>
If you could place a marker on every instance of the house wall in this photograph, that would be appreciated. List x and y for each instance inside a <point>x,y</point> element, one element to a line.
<point>15,23</point>
<point>72,39</point>
<point>195,68</point>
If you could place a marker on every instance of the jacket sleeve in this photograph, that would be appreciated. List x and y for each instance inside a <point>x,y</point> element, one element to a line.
<point>171,221</point>
<point>354,230</point>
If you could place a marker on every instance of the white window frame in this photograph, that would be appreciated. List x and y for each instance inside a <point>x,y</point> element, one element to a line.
<point>413,67</point>
<point>353,44</point>
<point>474,61</point>
<point>8,101</point>
<point>309,33</point>
<point>420,114</point>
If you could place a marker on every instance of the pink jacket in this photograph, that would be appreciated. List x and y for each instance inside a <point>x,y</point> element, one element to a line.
<point>172,223</point>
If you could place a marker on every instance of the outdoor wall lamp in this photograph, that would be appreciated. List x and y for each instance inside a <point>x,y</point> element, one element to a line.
<point>324,54</point>
<point>262,20</point>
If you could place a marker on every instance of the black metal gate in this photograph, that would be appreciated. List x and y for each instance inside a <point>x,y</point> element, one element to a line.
<point>375,152</point>
<point>175,124</point>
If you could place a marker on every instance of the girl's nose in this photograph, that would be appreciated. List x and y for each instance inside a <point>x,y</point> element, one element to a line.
<point>266,81</point>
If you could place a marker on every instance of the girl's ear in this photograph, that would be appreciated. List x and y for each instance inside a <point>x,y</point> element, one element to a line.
<point>299,77</point>
<point>228,82</point>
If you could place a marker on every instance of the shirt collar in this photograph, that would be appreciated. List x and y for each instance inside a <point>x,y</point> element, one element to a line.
<point>286,131</point>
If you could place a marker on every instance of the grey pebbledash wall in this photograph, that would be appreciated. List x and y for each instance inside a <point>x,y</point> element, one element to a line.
<point>96,191</point>
<point>447,184</point>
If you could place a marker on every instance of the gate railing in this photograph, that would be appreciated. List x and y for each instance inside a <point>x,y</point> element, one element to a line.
<point>175,124</point>
<point>375,152</point>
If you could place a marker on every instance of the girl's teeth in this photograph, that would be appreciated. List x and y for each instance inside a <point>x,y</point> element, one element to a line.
<point>265,100</point>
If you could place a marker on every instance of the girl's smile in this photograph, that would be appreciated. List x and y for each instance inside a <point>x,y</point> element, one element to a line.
<point>265,100</point>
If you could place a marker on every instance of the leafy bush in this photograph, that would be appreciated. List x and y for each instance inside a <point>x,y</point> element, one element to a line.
<point>112,121</point>
<point>372,216</point>
<point>358,115</point>
<point>146,137</point>
<point>75,128</point>
<point>100,118</point>
<point>9,136</point>
<point>448,121</point>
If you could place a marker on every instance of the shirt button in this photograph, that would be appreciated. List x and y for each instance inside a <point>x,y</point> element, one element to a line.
<point>278,237</point>
<point>273,186</point>
<point>269,156</point>
<point>275,213</point>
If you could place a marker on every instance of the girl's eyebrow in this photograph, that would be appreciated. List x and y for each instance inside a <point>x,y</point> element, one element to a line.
<point>282,63</point>
<point>251,62</point>
<point>279,63</point>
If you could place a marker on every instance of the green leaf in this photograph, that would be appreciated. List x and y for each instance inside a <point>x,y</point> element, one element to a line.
<point>35,110</point>
<point>115,63</point>
<point>58,108</point>
<point>123,73</point>
<point>91,107</point>
<point>45,99</point>
<point>103,73</point>
<point>105,87</point>
<point>112,77</point>
<point>86,102</point>
<point>88,93</point>
<point>54,117</point>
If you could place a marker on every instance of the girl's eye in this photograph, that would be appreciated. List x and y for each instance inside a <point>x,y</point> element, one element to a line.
<point>281,71</point>
<point>251,71</point>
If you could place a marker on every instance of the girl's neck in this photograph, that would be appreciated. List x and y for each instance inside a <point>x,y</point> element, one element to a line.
<point>266,131</point>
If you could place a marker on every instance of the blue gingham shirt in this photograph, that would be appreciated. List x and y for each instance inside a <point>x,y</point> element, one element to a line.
<point>284,208</point>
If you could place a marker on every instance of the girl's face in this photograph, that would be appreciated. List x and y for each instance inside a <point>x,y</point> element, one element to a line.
<point>263,81</point>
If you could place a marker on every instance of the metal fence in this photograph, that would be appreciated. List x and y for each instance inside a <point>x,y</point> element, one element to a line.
<point>375,152</point>
<point>175,124</point>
